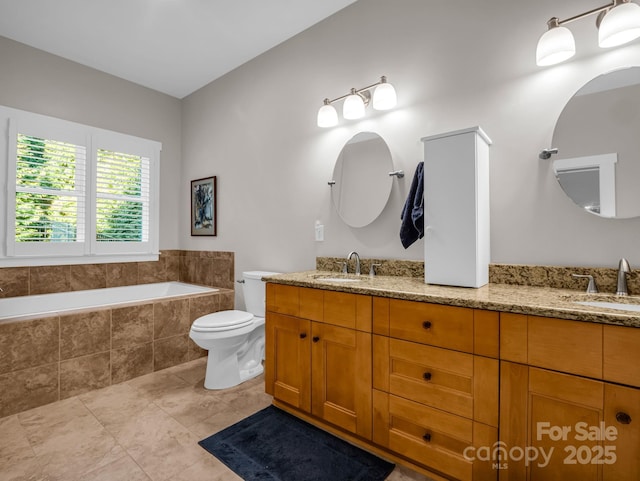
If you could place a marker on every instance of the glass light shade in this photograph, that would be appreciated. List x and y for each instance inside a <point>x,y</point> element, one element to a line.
<point>555,45</point>
<point>353,107</point>
<point>327,116</point>
<point>620,25</point>
<point>384,97</point>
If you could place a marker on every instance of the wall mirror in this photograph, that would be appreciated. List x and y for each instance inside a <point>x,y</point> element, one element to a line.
<point>598,140</point>
<point>361,183</point>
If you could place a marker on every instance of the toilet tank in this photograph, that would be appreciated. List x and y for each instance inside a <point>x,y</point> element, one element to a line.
<point>254,291</point>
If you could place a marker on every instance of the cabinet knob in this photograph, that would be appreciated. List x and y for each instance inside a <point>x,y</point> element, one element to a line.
<point>623,418</point>
<point>316,338</point>
<point>426,324</point>
<point>427,437</point>
<point>303,335</point>
<point>427,376</point>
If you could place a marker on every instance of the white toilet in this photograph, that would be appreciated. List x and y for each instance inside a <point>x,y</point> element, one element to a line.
<point>234,339</point>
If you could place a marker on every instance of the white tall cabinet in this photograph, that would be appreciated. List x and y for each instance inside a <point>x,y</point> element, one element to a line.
<point>456,208</point>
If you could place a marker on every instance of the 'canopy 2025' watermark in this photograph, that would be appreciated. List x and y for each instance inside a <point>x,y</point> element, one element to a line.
<point>500,454</point>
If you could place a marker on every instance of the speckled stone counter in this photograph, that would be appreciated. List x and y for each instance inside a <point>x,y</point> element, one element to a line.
<point>538,301</point>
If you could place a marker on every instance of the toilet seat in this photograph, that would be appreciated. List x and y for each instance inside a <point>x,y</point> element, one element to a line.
<point>222,321</point>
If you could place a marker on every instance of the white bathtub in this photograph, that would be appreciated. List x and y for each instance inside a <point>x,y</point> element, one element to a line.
<point>43,305</point>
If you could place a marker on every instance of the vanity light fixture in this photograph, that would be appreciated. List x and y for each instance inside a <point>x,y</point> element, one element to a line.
<point>355,102</point>
<point>618,23</point>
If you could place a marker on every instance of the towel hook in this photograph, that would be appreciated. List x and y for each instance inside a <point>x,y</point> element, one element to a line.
<point>397,173</point>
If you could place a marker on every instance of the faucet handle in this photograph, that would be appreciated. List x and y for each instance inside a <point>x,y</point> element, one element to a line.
<point>343,267</point>
<point>591,286</point>
<point>372,269</point>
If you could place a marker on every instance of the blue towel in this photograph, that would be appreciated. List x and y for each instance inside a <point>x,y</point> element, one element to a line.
<point>412,217</point>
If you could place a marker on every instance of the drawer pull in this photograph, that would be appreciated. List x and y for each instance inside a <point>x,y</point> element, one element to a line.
<point>623,418</point>
<point>427,437</point>
<point>303,335</point>
<point>427,376</point>
<point>316,338</point>
<point>426,324</point>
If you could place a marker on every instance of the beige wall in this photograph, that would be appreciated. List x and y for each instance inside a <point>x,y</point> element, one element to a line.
<point>38,82</point>
<point>454,64</point>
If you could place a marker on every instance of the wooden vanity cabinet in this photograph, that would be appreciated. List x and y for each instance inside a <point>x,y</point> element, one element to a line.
<point>556,396</point>
<point>318,354</point>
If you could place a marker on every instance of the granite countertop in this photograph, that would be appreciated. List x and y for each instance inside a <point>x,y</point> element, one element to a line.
<point>538,301</point>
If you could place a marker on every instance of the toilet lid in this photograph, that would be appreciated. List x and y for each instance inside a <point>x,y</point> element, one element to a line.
<point>223,319</point>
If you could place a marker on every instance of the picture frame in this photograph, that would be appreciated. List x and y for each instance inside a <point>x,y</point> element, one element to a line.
<point>204,207</point>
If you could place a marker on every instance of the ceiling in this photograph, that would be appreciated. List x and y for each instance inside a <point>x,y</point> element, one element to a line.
<point>173,46</point>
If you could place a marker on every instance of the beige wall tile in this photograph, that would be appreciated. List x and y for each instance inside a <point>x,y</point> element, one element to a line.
<point>47,279</point>
<point>170,351</point>
<point>227,300</point>
<point>202,305</point>
<point>86,333</point>
<point>131,325</point>
<point>172,268</point>
<point>171,318</point>
<point>121,274</point>
<point>28,344</point>
<point>149,272</point>
<point>14,281</point>
<point>88,276</point>
<point>222,272</point>
<point>29,388</point>
<point>83,374</point>
<point>130,362</point>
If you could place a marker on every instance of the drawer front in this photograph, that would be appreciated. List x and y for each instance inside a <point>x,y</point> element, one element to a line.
<point>566,346</point>
<point>427,436</point>
<point>283,299</point>
<point>622,355</point>
<point>433,324</point>
<point>432,376</point>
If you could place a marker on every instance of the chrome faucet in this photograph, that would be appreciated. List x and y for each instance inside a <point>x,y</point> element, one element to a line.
<point>623,270</point>
<point>351,254</point>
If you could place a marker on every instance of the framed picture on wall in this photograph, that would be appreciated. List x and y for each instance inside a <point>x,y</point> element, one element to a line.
<point>203,206</point>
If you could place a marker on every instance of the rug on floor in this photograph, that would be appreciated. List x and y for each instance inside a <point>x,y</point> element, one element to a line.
<point>272,445</point>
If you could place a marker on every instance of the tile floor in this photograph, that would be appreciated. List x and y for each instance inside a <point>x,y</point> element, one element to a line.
<point>143,429</point>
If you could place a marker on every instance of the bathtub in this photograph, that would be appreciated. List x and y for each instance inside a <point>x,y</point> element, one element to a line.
<point>43,305</point>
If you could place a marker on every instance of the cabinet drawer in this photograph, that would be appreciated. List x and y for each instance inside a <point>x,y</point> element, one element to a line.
<point>434,324</point>
<point>565,346</point>
<point>431,437</point>
<point>452,381</point>
<point>347,310</point>
<point>622,355</point>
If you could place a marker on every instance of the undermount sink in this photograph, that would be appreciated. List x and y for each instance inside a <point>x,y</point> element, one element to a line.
<point>612,305</point>
<point>336,278</point>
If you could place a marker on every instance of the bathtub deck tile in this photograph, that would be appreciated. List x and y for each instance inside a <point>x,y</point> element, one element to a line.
<point>83,374</point>
<point>28,388</point>
<point>131,362</point>
<point>28,344</point>
<point>85,333</point>
<point>131,326</point>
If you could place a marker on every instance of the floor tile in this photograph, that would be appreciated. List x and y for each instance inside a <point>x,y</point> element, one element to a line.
<point>14,444</point>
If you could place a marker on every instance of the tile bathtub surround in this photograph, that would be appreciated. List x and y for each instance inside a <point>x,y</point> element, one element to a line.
<point>53,358</point>
<point>209,268</point>
<point>140,430</point>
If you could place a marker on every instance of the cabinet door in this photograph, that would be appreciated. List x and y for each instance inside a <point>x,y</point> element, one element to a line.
<point>288,360</point>
<point>341,377</point>
<point>542,412</point>
<point>622,412</point>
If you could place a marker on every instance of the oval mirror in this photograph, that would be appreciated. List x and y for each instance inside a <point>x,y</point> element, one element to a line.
<point>361,183</point>
<point>598,142</point>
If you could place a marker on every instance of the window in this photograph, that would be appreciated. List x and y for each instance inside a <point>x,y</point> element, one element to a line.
<point>77,192</point>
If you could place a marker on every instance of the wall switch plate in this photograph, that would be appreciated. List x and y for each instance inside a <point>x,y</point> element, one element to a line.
<point>319,232</point>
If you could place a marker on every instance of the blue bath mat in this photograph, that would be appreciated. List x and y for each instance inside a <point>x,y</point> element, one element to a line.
<point>272,445</point>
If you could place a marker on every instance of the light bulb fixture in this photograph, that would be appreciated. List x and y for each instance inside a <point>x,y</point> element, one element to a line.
<point>356,101</point>
<point>618,23</point>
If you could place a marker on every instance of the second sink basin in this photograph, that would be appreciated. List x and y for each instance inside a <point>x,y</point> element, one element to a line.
<point>612,305</point>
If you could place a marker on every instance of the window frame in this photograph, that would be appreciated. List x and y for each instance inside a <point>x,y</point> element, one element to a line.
<point>90,250</point>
